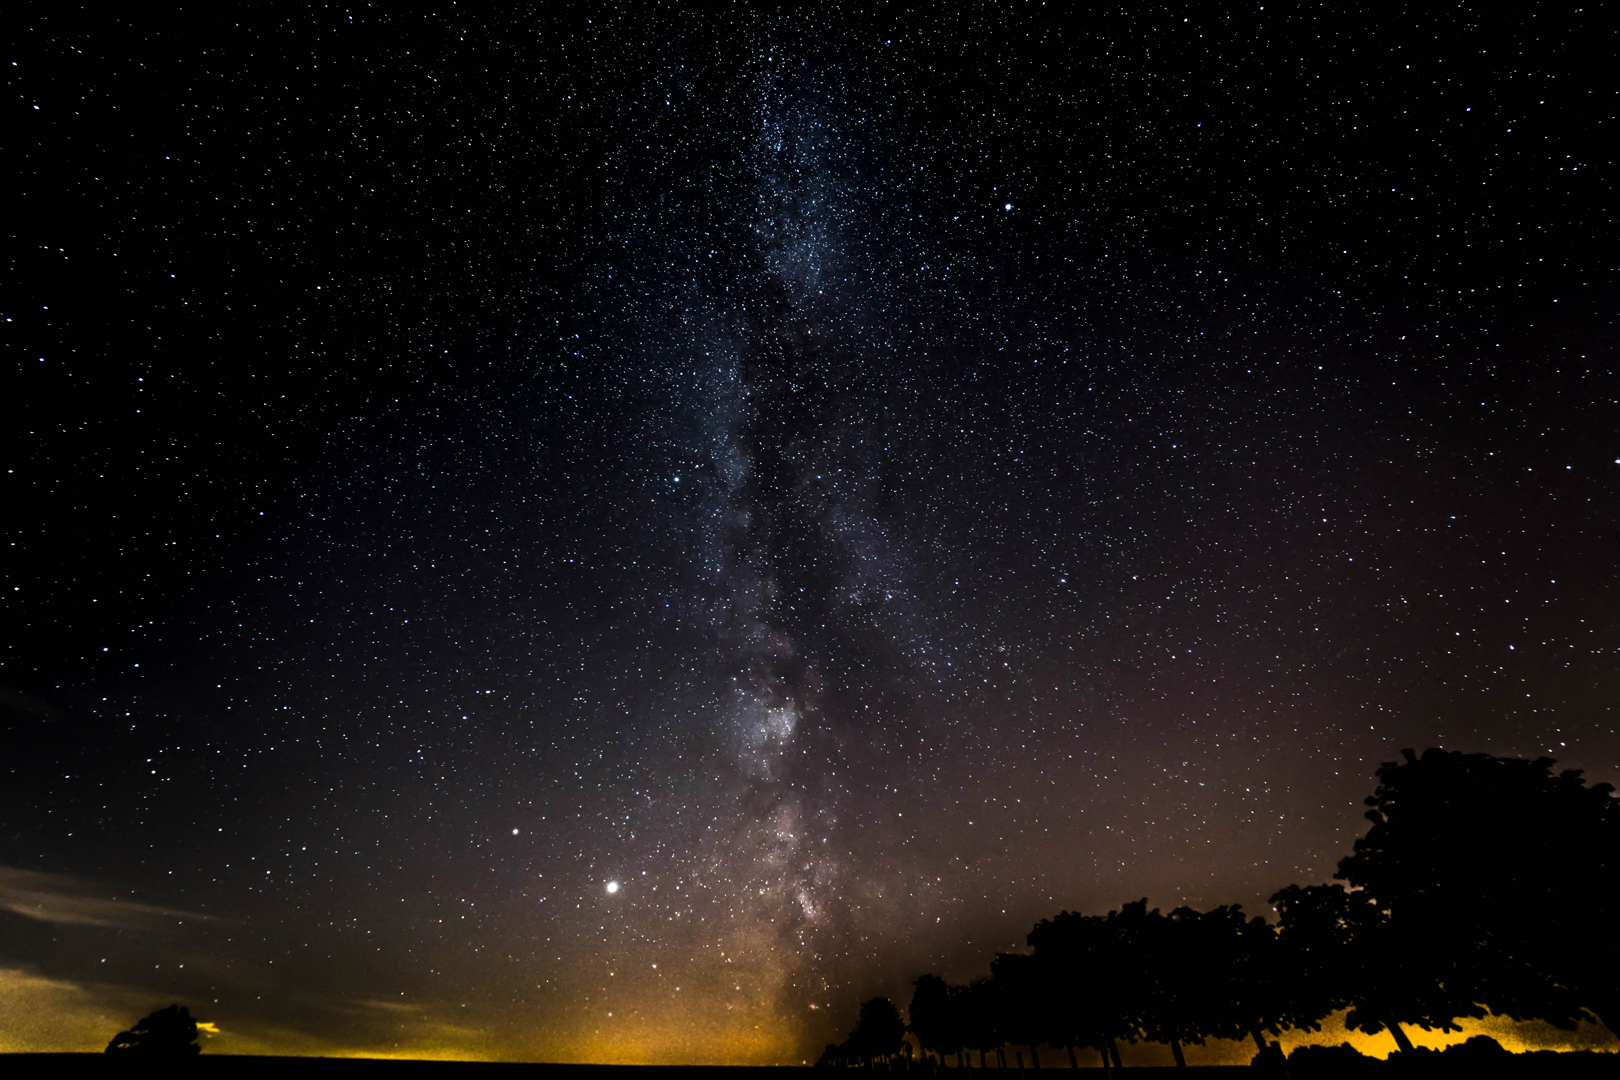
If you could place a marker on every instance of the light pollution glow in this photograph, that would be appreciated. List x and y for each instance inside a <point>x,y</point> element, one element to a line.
<point>39,1014</point>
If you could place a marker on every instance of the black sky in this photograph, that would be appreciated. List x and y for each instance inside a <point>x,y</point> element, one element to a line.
<point>858,482</point>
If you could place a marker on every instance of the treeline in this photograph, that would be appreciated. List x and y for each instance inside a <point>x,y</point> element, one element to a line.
<point>1484,885</point>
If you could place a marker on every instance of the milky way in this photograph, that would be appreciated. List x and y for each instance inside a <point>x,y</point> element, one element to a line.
<point>610,538</point>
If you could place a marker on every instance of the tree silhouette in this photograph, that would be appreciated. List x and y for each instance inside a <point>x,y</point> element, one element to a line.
<point>1347,952</point>
<point>167,1033</point>
<point>1483,883</point>
<point>1078,968</point>
<point>1178,979</point>
<point>1130,938</point>
<point>1506,874</point>
<point>1247,987</point>
<point>981,1011</point>
<point>1023,999</point>
<point>1180,994</point>
<point>831,1055</point>
<point>1197,958</point>
<point>931,1017</point>
<point>878,1033</point>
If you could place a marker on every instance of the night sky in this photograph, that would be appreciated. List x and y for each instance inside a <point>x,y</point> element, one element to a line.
<point>602,535</point>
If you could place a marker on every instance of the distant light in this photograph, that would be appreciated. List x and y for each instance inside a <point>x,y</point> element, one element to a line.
<point>1007,207</point>
<point>613,886</point>
<point>514,832</point>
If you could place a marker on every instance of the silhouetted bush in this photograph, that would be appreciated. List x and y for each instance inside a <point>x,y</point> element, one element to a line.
<point>167,1033</point>
<point>1481,1050</point>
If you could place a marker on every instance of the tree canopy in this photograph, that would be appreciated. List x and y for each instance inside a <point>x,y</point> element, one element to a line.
<point>1346,953</point>
<point>1083,971</point>
<point>1506,873</point>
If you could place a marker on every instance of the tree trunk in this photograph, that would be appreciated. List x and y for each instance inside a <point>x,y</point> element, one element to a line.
<point>1001,1057</point>
<point>1034,1058</point>
<point>1073,1064</point>
<point>1108,1070</point>
<point>1401,1041</point>
<point>1113,1052</point>
<point>1175,1048</point>
<point>1267,1048</point>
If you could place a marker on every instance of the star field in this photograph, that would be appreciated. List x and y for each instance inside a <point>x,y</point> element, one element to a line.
<point>616,535</point>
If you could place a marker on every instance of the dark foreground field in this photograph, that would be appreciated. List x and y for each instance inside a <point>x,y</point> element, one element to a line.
<point>1323,1067</point>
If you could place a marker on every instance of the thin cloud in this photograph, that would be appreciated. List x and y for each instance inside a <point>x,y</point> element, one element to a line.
<point>60,898</point>
<point>389,1006</point>
<point>40,1014</point>
<point>21,702</point>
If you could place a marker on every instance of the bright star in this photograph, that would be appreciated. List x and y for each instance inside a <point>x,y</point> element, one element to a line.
<point>613,886</point>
